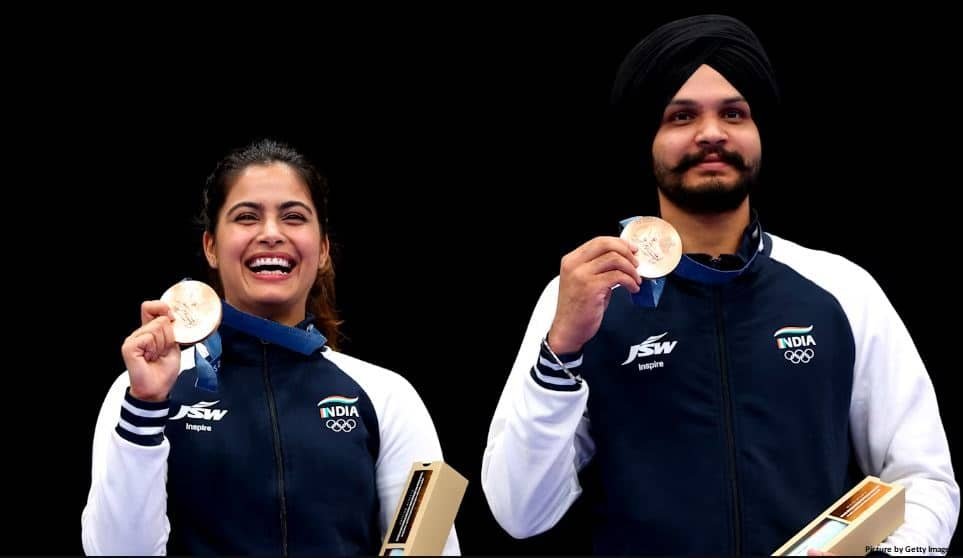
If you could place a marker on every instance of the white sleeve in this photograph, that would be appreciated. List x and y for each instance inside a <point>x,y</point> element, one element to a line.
<point>896,426</point>
<point>407,435</point>
<point>406,430</point>
<point>126,511</point>
<point>538,439</point>
<point>893,416</point>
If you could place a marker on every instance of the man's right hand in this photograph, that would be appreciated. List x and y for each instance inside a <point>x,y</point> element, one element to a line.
<point>588,275</point>
<point>152,357</point>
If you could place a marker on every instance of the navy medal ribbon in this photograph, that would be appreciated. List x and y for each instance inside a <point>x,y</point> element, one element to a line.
<point>207,354</point>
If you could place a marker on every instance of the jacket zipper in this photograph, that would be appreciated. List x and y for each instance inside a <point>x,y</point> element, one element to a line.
<point>278,457</point>
<point>727,418</point>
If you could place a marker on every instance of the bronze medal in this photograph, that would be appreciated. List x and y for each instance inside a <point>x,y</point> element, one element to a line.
<point>660,247</point>
<point>196,308</point>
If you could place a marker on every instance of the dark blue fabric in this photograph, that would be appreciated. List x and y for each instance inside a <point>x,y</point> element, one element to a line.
<point>709,438</point>
<point>254,467</point>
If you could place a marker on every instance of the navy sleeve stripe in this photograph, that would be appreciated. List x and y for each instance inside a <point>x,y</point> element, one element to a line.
<point>568,359</point>
<point>544,363</point>
<point>138,420</point>
<point>557,370</point>
<point>153,440</point>
<point>142,422</point>
<point>553,383</point>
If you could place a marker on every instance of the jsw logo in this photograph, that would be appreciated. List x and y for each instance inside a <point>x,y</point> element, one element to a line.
<point>650,347</point>
<point>201,411</point>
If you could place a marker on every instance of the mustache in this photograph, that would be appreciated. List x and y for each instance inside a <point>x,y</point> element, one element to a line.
<point>692,159</point>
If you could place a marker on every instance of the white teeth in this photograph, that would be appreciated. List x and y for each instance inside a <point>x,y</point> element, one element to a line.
<point>281,262</point>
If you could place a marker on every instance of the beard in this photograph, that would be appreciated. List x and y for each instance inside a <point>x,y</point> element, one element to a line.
<point>712,194</point>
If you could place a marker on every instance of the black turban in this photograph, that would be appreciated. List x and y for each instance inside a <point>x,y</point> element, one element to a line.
<point>656,68</point>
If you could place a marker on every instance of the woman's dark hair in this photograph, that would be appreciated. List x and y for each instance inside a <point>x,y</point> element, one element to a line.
<point>265,152</point>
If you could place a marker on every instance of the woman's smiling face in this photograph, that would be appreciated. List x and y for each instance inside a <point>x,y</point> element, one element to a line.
<point>268,244</point>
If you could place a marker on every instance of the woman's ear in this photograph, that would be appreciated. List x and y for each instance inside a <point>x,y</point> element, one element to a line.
<point>208,241</point>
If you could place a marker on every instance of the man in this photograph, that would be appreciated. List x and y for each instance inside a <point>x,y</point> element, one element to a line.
<point>762,385</point>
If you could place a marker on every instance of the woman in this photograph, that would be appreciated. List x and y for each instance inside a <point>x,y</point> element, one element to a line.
<point>299,449</point>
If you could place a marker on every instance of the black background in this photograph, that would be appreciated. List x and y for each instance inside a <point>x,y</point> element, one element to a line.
<point>466,153</point>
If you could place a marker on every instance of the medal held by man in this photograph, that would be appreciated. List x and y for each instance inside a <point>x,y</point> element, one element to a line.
<point>659,252</point>
<point>660,247</point>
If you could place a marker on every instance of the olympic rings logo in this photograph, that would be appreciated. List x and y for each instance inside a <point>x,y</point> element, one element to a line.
<point>341,425</point>
<point>799,355</point>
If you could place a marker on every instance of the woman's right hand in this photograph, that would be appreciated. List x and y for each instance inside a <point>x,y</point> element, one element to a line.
<point>587,276</point>
<point>152,357</point>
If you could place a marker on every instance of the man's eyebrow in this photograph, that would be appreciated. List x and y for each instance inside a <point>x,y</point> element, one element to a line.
<point>691,103</point>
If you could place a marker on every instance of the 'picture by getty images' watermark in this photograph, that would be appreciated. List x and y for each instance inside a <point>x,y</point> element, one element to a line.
<point>907,549</point>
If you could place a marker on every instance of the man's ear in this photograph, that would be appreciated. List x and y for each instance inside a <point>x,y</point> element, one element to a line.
<point>325,254</point>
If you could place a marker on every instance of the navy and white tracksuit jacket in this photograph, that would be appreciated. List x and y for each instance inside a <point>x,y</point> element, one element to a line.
<point>727,418</point>
<point>292,455</point>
